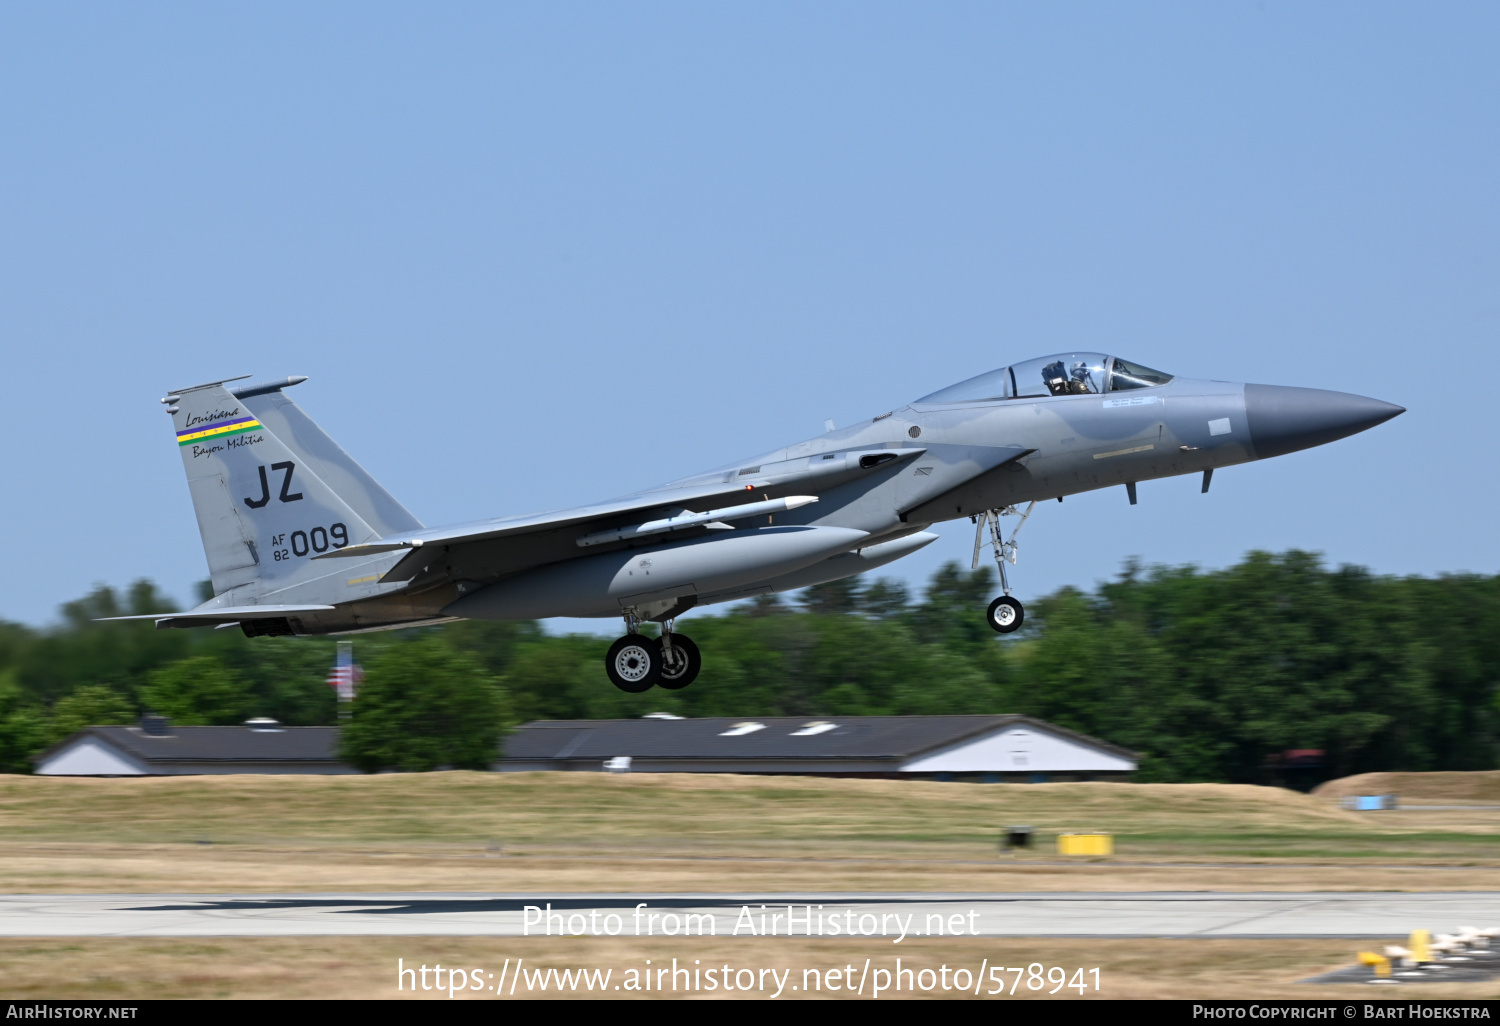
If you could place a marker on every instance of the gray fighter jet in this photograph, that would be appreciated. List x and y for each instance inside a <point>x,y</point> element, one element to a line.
<point>301,540</point>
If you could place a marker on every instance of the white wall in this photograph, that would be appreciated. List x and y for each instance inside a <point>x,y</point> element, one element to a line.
<point>1020,749</point>
<point>90,757</point>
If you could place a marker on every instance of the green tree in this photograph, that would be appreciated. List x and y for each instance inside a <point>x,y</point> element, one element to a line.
<point>424,706</point>
<point>1209,674</point>
<point>953,609</point>
<point>199,691</point>
<point>91,705</point>
<point>834,597</point>
<point>84,651</point>
<point>286,678</point>
<point>494,644</point>
<point>558,679</point>
<point>769,604</point>
<point>886,599</point>
<point>23,728</point>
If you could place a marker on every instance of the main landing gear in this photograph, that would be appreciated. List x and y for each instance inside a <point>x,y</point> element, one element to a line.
<point>637,663</point>
<point>1005,614</point>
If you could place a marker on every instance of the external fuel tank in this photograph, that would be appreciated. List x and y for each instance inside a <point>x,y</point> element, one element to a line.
<point>605,584</point>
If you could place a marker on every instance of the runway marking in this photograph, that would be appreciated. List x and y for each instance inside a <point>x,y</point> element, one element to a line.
<point>1264,915</point>
<point>1073,914</point>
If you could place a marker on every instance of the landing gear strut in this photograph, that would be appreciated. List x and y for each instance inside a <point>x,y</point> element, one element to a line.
<point>1005,614</point>
<point>637,663</point>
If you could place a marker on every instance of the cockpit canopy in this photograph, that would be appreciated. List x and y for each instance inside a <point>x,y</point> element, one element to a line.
<point>1063,374</point>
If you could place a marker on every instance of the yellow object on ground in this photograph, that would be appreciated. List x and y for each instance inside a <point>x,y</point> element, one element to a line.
<point>1380,962</point>
<point>1085,844</point>
<point>1419,945</point>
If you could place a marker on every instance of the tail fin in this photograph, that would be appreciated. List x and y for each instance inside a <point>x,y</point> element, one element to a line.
<point>319,453</point>
<point>263,507</point>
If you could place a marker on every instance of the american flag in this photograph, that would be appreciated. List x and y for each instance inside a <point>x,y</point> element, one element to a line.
<point>346,674</point>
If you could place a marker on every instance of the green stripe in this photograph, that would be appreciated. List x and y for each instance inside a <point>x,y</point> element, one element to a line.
<point>223,434</point>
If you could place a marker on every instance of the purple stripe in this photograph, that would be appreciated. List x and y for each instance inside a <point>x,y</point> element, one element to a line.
<point>218,424</point>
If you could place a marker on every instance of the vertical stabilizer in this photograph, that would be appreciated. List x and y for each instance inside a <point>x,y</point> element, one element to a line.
<point>323,456</point>
<point>262,510</point>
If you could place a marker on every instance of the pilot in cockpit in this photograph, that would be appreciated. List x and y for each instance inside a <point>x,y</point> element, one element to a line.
<point>1060,382</point>
<point>1083,383</point>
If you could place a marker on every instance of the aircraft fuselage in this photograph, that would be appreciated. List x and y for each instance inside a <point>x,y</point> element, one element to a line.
<point>952,461</point>
<point>301,540</point>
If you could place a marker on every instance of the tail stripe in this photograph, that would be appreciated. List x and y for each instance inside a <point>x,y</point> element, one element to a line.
<point>238,426</point>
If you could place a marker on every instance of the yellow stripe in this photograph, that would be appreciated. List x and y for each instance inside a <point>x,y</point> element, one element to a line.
<point>218,430</point>
<point>1122,452</point>
<point>364,580</point>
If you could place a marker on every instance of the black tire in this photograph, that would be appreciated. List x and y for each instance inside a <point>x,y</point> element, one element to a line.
<point>634,663</point>
<point>685,671</point>
<point>1005,614</point>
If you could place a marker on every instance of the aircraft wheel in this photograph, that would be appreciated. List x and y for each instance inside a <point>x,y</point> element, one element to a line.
<point>685,670</point>
<point>1005,614</point>
<point>634,663</point>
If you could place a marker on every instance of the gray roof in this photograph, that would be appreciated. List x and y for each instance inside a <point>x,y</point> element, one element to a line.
<point>215,744</point>
<point>852,737</point>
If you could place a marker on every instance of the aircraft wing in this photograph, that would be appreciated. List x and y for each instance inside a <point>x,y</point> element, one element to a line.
<point>511,543</point>
<point>493,548</point>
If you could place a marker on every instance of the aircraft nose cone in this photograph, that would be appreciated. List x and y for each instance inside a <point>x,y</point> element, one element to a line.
<point>1284,419</point>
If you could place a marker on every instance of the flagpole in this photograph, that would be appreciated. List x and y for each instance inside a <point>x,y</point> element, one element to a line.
<point>343,675</point>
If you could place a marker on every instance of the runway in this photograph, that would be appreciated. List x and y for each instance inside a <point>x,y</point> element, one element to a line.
<point>892,917</point>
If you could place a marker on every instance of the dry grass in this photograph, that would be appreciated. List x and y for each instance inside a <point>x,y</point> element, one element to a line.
<point>580,808</point>
<point>677,832</point>
<point>686,809</point>
<point>1475,788</point>
<point>365,967</point>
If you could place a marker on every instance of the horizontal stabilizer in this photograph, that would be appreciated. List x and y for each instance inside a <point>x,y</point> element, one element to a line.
<point>374,548</point>
<point>226,614</point>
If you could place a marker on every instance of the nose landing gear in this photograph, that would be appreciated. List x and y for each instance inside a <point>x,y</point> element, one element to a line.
<point>637,663</point>
<point>1005,614</point>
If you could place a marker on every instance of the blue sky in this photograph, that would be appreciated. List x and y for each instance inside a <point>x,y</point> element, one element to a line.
<point>532,255</point>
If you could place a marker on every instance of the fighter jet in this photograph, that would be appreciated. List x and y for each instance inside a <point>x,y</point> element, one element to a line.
<point>301,540</point>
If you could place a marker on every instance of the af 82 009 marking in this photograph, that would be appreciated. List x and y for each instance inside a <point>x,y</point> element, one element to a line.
<point>315,540</point>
